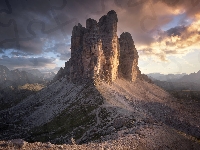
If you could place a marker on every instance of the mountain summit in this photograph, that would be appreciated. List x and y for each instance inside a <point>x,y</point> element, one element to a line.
<point>98,54</point>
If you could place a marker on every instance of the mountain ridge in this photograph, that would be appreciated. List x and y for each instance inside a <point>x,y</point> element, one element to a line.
<point>193,77</point>
<point>24,76</point>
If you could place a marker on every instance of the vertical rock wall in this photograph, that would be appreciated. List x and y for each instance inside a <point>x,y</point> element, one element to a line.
<point>128,60</point>
<point>110,45</point>
<point>98,55</point>
<point>76,69</point>
<point>92,51</point>
<point>95,50</point>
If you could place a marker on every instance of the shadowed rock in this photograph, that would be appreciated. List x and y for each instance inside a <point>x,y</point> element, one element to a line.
<point>128,58</point>
<point>97,55</point>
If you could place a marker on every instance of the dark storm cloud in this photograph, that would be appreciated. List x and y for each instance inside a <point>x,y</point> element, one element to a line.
<point>176,31</point>
<point>51,12</point>
<point>33,27</point>
<point>17,53</point>
<point>4,56</point>
<point>24,62</point>
<point>171,3</point>
<point>62,50</point>
<point>34,46</point>
<point>31,20</point>
<point>40,61</point>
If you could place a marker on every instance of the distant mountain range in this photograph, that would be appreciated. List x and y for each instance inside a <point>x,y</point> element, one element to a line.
<point>163,77</point>
<point>44,75</point>
<point>15,85</point>
<point>178,86</point>
<point>17,77</point>
<point>177,81</point>
<point>193,78</point>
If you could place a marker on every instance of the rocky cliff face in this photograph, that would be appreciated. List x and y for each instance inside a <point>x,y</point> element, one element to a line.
<point>98,55</point>
<point>92,55</point>
<point>128,58</point>
<point>110,45</point>
<point>94,50</point>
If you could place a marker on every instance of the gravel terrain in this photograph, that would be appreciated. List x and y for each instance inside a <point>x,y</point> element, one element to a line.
<point>121,115</point>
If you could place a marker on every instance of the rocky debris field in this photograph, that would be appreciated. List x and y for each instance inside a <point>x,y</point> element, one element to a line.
<point>122,115</point>
<point>149,137</point>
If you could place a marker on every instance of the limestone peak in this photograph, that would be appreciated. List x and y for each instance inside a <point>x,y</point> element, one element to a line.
<point>97,54</point>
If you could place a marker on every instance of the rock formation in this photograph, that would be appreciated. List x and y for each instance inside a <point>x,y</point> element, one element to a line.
<point>110,45</point>
<point>128,58</point>
<point>98,55</point>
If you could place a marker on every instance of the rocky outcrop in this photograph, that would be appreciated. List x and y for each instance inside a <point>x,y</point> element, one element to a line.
<point>92,56</point>
<point>110,45</point>
<point>100,49</point>
<point>98,55</point>
<point>128,68</point>
<point>76,68</point>
<point>94,51</point>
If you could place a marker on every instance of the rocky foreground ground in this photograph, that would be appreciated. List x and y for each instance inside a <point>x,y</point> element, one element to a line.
<point>129,118</point>
<point>155,137</point>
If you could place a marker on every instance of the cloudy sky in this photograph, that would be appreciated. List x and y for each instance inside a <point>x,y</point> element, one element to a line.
<point>36,33</point>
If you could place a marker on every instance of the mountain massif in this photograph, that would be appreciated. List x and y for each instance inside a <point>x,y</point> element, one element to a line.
<point>178,82</point>
<point>192,78</point>
<point>15,85</point>
<point>97,54</point>
<point>101,100</point>
<point>163,77</point>
<point>17,77</point>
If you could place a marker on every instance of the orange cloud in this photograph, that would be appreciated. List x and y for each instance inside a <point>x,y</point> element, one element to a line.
<point>179,40</point>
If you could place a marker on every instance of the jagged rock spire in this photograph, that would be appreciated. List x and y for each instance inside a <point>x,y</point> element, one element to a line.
<point>98,55</point>
<point>128,60</point>
<point>95,50</point>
